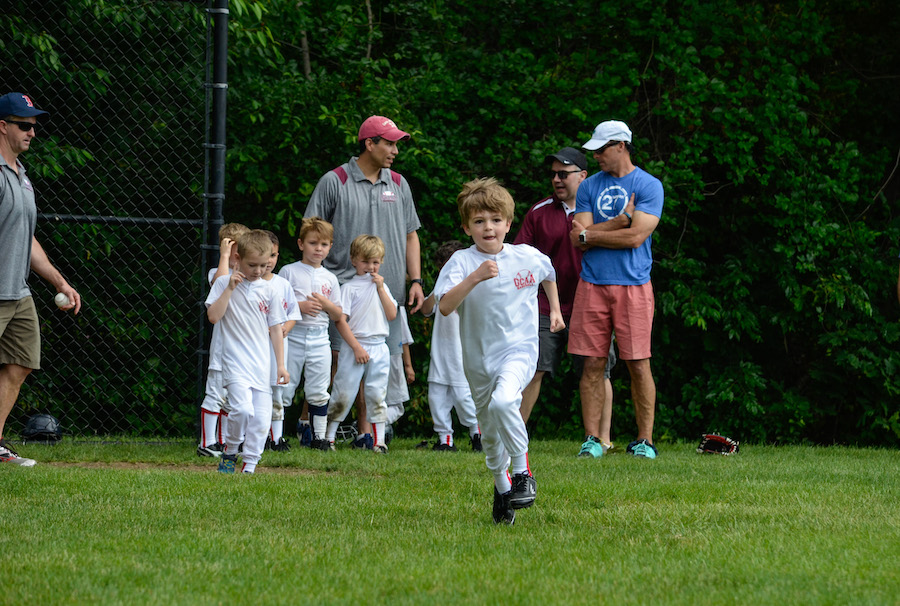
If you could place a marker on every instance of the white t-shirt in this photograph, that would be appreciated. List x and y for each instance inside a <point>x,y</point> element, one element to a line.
<point>499,316</point>
<point>406,337</point>
<point>215,344</point>
<point>305,280</point>
<point>291,312</point>
<point>446,350</point>
<point>363,308</point>
<point>253,308</point>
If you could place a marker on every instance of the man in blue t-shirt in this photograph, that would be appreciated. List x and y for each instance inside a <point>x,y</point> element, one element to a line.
<point>616,212</point>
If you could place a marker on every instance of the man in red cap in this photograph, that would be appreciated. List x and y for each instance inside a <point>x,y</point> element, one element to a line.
<point>364,196</point>
<point>20,336</point>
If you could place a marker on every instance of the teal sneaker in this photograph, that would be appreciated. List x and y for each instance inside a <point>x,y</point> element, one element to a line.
<point>592,447</point>
<point>226,464</point>
<point>642,448</point>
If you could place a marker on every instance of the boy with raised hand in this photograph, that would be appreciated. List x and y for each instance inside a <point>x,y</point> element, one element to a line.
<point>251,312</point>
<point>213,410</point>
<point>494,286</point>
<point>276,440</point>
<point>367,309</point>
<point>447,385</point>
<point>309,348</point>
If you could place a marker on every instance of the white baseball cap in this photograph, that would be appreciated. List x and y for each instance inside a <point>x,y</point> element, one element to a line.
<point>611,130</point>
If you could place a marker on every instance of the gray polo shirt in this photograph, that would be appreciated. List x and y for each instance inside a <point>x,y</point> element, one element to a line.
<point>18,216</point>
<point>359,206</point>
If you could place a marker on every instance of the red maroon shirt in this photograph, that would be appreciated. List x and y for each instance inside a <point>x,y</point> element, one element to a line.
<point>546,227</point>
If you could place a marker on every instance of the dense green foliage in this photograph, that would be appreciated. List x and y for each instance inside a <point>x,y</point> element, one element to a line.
<point>772,126</point>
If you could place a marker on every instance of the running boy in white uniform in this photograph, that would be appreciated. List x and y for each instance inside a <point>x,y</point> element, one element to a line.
<point>251,313</point>
<point>494,287</point>
<point>367,307</point>
<point>276,440</point>
<point>213,411</point>
<point>447,385</point>
<point>309,349</point>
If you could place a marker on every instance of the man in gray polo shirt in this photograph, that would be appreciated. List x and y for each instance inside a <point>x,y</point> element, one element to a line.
<point>20,336</point>
<point>364,196</point>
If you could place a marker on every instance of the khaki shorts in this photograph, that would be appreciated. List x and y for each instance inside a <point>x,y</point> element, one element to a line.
<point>20,334</point>
<point>598,309</point>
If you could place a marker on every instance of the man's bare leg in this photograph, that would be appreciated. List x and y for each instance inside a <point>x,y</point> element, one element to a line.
<point>530,394</point>
<point>643,392</point>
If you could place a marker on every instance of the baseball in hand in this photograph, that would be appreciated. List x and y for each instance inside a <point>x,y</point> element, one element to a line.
<point>61,299</point>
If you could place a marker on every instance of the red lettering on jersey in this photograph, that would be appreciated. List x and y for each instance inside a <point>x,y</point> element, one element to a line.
<point>264,308</point>
<point>524,279</point>
<point>326,290</point>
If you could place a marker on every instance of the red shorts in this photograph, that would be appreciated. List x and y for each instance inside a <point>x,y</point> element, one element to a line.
<point>598,310</point>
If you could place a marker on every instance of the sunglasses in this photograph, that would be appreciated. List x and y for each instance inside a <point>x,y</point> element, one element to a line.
<point>562,174</point>
<point>605,147</point>
<point>25,126</point>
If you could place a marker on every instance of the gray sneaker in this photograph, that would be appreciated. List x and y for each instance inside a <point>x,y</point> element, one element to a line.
<point>524,490</point>
<point>8,455</point>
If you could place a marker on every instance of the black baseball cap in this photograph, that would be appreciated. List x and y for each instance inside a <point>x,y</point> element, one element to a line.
<point>569,156</point>
<point>18,104</point>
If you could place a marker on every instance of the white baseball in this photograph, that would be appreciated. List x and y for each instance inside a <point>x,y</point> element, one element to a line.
<point>61,299</point>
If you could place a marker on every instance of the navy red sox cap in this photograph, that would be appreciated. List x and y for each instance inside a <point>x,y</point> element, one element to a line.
<point>569,156</point>
<point>18,104</point>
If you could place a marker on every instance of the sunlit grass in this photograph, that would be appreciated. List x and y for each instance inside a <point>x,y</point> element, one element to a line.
<point>152,523</point>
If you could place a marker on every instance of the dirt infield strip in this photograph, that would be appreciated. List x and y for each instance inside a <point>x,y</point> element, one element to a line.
<point>144,466</point>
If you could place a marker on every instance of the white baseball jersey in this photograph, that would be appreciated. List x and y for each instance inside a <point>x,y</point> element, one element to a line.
<point>499,317</point>
<point>291,312</point>
<point>305,280</point>
<point>446,365</point>
<point>253,308</point>
<point>362,306</point>
<point>215,344</point>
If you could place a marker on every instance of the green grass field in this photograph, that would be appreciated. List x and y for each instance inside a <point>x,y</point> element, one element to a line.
<point>154,524</point>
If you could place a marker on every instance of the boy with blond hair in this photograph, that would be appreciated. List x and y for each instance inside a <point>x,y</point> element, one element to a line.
<point>493,286</point>
<point>213,410</point>
<point>367,307</point>
<point>309,348</point>
<point>276,440</point>
<point>251,313</point>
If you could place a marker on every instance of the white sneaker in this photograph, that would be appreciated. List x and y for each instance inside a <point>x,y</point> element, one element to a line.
<point>8,455</point>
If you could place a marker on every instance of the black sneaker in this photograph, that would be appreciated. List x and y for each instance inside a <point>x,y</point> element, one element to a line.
<point>280,446</point>
<point>213,450</point>
<point>476,443</point>
<point>320,444</point>
<point>443,447</point>
<point>502,512</point>
<point>524,489</point>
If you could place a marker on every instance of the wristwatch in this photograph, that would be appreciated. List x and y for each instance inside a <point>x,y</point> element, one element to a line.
<point>582,236</point>
<point>418,281</point>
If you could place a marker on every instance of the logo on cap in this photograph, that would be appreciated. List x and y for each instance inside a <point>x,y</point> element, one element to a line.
<point>27,100</point>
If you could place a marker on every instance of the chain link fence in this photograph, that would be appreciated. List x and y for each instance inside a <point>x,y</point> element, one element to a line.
<point>119,178</point>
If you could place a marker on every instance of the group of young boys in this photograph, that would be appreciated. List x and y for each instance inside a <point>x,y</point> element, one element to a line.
<point>270,330</point>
